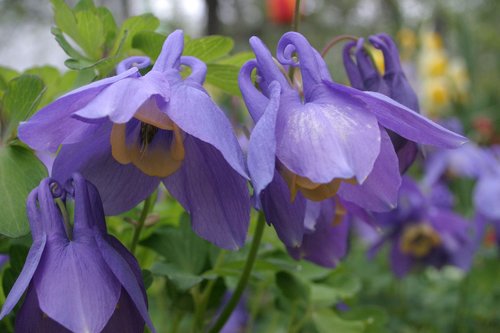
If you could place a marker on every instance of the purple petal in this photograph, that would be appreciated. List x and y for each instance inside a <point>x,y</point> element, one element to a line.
<point>486,196</point>
<point>255,101</point>
<point>53,124</point>
<point>327,244</point>
<point>262,146</point>
<point>75,286</point>
<point>369,73</point>
<point>402,120</point>
<point>400,262</point>
<point>351,68</point>
<point>329,138</point>
<point>198,69</point>
<point>140,62</point>
<point>31,319</point>
<point>192,109</point>
<point>287,217</point>
<point>126,318</point>
<point>22,282</point>
<point>121,100</point>
<point>169,57</point>
<point>380,191</point>
<point>121,187</point>
<point>213,193</point>
<point>267,68</point>
<point>125,274</point>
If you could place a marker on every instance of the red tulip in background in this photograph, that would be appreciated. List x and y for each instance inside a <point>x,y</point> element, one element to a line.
<point>280,11</point>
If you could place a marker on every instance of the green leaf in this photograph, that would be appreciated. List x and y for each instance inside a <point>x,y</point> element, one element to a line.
<point>180,246</point>
<point>292,287</point>
<point>65,19</point>
<point>237,59</point>
<point>6,74</point>
<point>84,5</point>
<point>21,98</point>
<point>374,317</point>
<point>91,34</point>
<point>327,321</point>
<point>65,45</point>
<point>20,172</point>
<point>224,77</point>
<point>180,278</point>
<point>147,277</point>
<point>17,257</point>
<point>208,48</point>
<point>149,42</point>
<point>130,28</point>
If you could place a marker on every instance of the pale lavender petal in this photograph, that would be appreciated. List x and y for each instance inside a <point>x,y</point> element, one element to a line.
<point>76,271</point>
<point>402,120</point>
<point>214,194</point>
<point>140,62</point>
<point>486,197</point>
<point>192,109</point>
<point>262,146</point>
<point>286,216</point>
<point>380,191</point>
<point>351,68</point>
<point>198,69</point>
<point>54,124</point>
<point>121,187</point>
<point>255,101</point>
<point>169,57</point>
<point>332,137</point>
<point>123,99</point>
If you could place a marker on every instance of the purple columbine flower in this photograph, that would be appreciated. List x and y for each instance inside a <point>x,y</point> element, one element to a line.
<point>324,140</point>
<point>129,132</point>
<point>87,283</point>
<point>364,75</point>
<point>326,234</point>
<point>423,233</point>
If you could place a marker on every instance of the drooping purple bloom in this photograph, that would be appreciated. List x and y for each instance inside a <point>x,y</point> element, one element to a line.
<point>86,283</point>
<point>325,140</point>
<point>238,321</point>
<point>128,133</point>
<point>326,237</point>
<point>364,75</point>
<point>422,233</point>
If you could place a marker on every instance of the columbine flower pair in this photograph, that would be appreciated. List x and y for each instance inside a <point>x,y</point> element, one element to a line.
<point>79,280</point>
<point>324,141</point>
<point>129,132</point>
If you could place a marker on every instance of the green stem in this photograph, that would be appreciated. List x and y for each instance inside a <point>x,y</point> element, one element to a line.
<point>296,16</point>
<point>148,204</point>
<point>240,287</point>
<point>203,297</point>
<point>177,321</point>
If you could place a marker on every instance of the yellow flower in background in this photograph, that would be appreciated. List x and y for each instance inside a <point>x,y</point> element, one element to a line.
<point>408,43</point>
<point>436,96</point>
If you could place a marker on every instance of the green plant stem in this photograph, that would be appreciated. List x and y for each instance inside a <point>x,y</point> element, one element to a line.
<point>148,204</point>
<point>296,16</point>
<point>240,287</point>
<point>176,321</point>
<point>203,297</point>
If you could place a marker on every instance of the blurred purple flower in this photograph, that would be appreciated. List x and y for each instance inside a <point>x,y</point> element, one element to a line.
<point>364,75</point>
<point>423,233</point>
<point>86,283</point>
<point>238,320</point>
<point>129,132</point>
<point>324,140</point>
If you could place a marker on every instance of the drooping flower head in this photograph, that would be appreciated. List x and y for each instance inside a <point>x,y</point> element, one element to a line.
<point>324,140</point>
<point>364,75</point>
<point>88,282</point>
<point>422,231</point>
<point>128,133</point>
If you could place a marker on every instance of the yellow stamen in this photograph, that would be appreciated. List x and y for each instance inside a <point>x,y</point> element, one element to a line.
<point>419,240</point>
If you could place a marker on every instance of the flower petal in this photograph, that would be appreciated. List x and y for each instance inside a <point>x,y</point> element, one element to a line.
<point>54,124</point>
<point>126,318</point>
<point>75,286</point>
<point>121,187</point>
<point>287,217</point>
<point>331,138</point>
<point>192,109</point>
<point>262,146</point>
<point>401,119</point>
<point>327,244</point>
<point>213,193</point>
<point>121,100</point>
<point>255,101</point>
<point>400,262</point>
<point>379,192</point>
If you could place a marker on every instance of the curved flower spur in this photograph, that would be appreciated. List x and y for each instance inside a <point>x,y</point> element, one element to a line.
<point>328,139</point>
<point>128,133</point>
<point>363,75</point>
<point>88,282</point>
